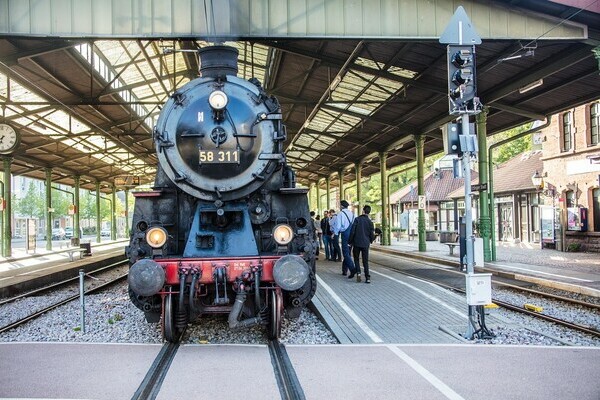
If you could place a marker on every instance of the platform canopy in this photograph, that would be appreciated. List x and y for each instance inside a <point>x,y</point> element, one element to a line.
<point>84,80</point>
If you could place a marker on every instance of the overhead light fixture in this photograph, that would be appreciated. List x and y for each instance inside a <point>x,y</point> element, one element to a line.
<point>335,83</point>
<point>531,86</point>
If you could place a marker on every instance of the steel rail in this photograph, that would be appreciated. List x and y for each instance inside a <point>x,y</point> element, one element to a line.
<point>58,304</point>
<point>568,324</point>
<point>495,281</point>
<point>152,383</point>
<point>59,284</point>
<point>287,380</point>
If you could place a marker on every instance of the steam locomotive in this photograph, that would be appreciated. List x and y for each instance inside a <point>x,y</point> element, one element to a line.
<point>224,229</point>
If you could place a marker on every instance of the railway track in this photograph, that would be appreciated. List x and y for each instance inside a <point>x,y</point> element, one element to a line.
<point>61,284</point>
<point>513,307</point>
<point>59,303</point>
<point>287,381</point>
<point>289,385</point>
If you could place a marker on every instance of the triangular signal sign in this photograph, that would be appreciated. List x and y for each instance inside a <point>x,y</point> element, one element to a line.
<point>460,30</point>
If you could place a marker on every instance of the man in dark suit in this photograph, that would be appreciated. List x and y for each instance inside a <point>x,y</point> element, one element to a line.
<point>361,237</point>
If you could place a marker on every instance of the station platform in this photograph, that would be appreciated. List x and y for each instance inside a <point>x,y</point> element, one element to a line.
<point>576,272</point>
<point>26,271</point>
<point>393,308</point>
<point>385,371</point>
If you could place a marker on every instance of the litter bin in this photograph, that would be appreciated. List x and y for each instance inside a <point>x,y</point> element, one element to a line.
<point>87,247</point>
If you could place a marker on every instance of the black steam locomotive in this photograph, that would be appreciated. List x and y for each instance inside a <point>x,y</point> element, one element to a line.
<point>224,230</point>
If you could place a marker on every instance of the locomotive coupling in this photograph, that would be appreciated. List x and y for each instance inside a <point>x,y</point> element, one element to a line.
<point>291,272</point>
<point>146,277</point>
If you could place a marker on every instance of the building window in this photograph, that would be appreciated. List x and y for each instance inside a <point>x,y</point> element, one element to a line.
<point>594,123</point>
<point>567,120</point>
<point>570,198</point>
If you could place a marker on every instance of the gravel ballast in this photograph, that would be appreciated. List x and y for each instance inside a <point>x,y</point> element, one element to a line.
<point>112,318</point>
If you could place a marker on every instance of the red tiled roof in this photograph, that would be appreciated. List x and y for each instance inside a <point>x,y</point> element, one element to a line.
<point>438,185</point>
<point>514,175</point>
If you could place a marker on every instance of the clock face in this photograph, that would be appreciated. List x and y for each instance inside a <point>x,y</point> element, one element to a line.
<point>9,139</point>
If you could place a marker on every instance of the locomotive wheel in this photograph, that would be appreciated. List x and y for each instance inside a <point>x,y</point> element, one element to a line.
<point>168,321</point>
<point>275,314</point>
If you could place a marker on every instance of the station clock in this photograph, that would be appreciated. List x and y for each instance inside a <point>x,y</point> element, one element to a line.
<point>9,139</point>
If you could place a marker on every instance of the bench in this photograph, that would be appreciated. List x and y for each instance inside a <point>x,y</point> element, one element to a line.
<point>71,252</point>
<point>451,246</point>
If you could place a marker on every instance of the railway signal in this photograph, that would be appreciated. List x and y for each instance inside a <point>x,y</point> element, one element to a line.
<point>462,83</point>
<point>461,39</point>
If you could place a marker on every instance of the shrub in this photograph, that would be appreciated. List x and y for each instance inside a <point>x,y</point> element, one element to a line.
<point>573,247</point>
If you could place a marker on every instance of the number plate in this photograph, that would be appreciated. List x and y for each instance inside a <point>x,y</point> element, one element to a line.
<point>216,156</point>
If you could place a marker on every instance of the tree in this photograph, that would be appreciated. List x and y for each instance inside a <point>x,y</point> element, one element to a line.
<point>32,204</point>
<point>511,149</point>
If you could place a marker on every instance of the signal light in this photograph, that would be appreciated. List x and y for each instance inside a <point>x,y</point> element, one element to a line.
<point>461,78</point>
<point>461,58</point>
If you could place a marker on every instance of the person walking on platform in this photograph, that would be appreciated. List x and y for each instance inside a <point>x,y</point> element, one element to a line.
<point>326,236</point>
<point>315,232</point>
<point>335,239</point>
<point>362,235</point>
<point>341,225</point>
<point>319,230</point>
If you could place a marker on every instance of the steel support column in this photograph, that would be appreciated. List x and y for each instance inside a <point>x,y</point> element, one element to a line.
<point>419,145</point>
<point>98,222</point>
<point>76,225</point>
<point>341,177</point>
<point>318,210</point>
<point>2,233</point>
<point>7,237</point>
<point>113,216</point>
<point>328,194</point>
<point>485,224</point>
<point>357,168</point>
<point>385,226</point>
<point>48,209</point>
<point>126,213</point>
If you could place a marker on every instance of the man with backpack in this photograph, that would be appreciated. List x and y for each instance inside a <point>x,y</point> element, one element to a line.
<point>361,237</point>
<point>341,225</point>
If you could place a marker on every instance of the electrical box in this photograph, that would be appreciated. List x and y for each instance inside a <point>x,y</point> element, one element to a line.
<point>479,289</point>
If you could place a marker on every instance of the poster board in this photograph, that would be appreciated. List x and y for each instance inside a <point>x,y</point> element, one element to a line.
<point>547,215</point>
<point>31,234</point>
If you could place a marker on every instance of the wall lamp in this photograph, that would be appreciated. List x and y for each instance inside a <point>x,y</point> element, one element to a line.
<point>538,180</point>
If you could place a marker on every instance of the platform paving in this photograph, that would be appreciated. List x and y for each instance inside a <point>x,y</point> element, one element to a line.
<point>325,372</point>
<point>24,272</point>
<point>578,271</point>
<point>393,308</point>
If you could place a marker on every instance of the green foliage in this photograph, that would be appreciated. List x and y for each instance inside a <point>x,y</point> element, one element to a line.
<point>115,318</point>
<point>573,247</point>
<point>60,203</point>
<point>32,205</point>
<point>511,149</point>
<point>87,206</point>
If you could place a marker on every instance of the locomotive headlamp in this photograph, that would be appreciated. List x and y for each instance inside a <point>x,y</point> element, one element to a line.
<point>218,100</point>
<point>290,272</point>
<point>156,237</point>
<point>283,234</point>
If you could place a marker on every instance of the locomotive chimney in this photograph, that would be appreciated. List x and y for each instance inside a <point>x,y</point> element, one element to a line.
<point>218,61</point>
